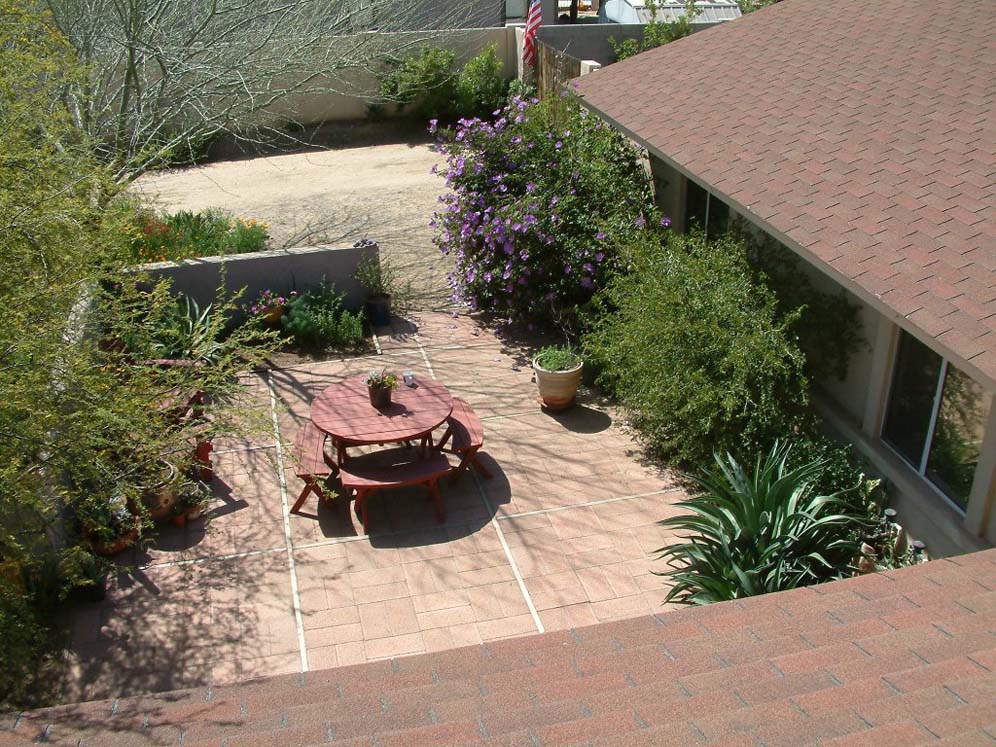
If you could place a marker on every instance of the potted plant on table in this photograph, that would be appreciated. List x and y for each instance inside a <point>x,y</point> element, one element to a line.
<point>558,375</point>
<point>378,278</point>
<point>379,384</point>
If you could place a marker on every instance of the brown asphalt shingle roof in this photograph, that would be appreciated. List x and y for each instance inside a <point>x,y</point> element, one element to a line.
<point>863,133</point>
<point>900,658</point>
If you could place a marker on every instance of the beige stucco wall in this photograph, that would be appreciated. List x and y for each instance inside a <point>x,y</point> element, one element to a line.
<point>359,87</point>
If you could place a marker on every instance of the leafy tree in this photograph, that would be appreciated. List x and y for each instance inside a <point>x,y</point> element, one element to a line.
<point>165,77</point>
<point>82,419</point>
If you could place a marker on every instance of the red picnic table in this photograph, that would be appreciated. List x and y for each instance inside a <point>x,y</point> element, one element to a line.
<point>344,412</point>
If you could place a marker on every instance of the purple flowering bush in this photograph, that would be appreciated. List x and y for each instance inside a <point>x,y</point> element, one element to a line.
<point>541,198</point>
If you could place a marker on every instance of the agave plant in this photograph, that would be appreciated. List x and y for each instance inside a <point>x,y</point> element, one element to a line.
<point>189,333</point>
<point>751,533</point>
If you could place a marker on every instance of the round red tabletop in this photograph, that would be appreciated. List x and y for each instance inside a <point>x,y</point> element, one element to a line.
<point>344,411</point>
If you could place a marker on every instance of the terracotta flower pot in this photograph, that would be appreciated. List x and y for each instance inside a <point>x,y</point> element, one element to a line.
<point>160,497</point>
<point>271,317</point>
<point>380,396</point>
<point>558,390</point>
<point>107,548</point>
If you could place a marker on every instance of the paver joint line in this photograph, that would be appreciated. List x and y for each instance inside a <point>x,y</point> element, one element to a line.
<point>285,511</point>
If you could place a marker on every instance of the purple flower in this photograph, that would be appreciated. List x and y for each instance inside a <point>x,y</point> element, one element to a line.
<point>640,222</point>
<point>567,269</point>
<point>586,282</point>
<point>558,145</point>
<point>530,187</point>
<point>600,236</point>
<point>599,256</point>
<point>665,222</point>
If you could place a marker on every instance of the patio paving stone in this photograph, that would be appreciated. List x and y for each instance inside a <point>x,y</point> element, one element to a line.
<point>561,537</point>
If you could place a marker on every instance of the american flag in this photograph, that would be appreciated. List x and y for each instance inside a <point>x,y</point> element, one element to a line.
<point>533,18</point>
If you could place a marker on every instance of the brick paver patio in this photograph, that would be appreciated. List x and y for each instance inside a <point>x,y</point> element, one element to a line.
<point>561,537</point>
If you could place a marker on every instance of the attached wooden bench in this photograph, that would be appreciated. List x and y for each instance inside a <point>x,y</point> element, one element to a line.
<point>366,481</point>
<point>465,429</point>
<point>310,462</point>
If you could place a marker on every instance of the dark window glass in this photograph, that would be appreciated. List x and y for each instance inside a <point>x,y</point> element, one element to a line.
<point>695,205</point>
<point>961,422</point>
<point>914,386</point>
<point>719,217</point>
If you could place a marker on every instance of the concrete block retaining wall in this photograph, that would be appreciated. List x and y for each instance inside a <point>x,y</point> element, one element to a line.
<point>281,270</point>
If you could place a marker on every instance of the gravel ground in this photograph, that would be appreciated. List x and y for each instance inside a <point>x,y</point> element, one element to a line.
<point>384,192</point>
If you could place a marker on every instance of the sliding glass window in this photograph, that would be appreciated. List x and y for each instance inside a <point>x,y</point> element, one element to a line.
<point>935,419</point>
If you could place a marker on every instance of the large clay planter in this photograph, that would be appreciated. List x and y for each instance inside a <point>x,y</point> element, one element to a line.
<point>558,390</point>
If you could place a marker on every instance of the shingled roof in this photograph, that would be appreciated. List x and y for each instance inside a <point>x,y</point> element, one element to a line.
<point>862,134</point>
<point>900,658</point>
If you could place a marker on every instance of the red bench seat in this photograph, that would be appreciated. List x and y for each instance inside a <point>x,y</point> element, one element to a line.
<point>366,480</point>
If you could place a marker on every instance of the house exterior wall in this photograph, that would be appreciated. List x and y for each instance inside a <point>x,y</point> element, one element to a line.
<point>855,408</point>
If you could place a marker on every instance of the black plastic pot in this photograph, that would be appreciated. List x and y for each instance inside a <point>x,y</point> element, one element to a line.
<point>379,310</point>
<point>380,396</point>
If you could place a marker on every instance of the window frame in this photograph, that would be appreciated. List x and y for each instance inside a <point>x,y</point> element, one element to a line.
<point>921,467</point>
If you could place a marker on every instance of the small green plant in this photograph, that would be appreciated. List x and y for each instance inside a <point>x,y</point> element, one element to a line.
<point>557,358</point>
<point>381,379</point>
<point>189,333</point>
<point>377,276</point>
<point>754,531</point>
<point>318,318</point>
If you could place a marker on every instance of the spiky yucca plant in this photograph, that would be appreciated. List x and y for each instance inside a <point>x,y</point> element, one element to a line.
<point>750,533</point>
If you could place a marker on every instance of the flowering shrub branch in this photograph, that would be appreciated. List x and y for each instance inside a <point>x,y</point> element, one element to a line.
<point>541,198</point>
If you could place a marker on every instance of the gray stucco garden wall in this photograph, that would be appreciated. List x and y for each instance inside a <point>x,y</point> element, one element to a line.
<point>280,270</point>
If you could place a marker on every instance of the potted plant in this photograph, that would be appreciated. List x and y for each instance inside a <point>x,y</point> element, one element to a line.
<point>378,278</point>
<point>191,505</point>
<point>270,307</point>
<point>108,525</point>
<point>379,384</point>
<point>159,495</point>
<point>93,572</point>
<point>558,375</point>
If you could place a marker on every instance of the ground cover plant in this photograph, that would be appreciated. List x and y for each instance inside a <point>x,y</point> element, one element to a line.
<point>542,195</point>
<point>186,234</point>
<point>318,318</point>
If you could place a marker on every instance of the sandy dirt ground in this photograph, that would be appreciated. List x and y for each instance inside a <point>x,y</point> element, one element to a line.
<point>383,192</point>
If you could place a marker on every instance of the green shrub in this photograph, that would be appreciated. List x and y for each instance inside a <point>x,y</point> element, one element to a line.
<point>481,87</point>
<point>657,33</point>
<point>185,234</point>
<point>697,351</point>
<point>24,638</point>
<point>425,83</point>
<point>756,531</point>
<point>429,86</point>
<point>317,318</point>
